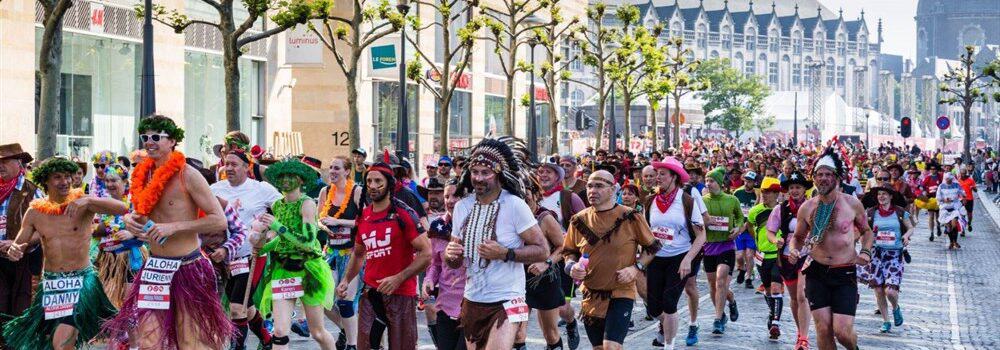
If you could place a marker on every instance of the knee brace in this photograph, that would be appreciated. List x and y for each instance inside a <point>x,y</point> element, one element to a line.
<point>279,340</point>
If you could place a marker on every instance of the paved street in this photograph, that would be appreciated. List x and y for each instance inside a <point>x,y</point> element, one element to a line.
<point>944,299</point>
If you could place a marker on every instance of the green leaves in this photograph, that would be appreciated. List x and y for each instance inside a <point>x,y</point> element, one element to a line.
<point>733,101</point>
<point>414,69</point>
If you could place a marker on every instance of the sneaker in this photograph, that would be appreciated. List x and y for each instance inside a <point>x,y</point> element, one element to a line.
<point>749,284</point>
<point>760,289</point>
<point>932,236</point>
<point>719,326</point>
<point>657,343</point>
<point>734,312</point>
<point>878,312</point>
<point>692,337</point>
<point>301,328</point>
<point>341,341</point>
<point>741,277</point>
<point>885,327</point>
<point>774,331</point>
<point>958,246</point>
<point>802,344</point>
<point>897,317</point>
<point>572,336</point>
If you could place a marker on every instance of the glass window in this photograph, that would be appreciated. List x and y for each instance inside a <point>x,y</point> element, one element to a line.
<point>386,103</point>
<point>796,74</point>
<point>495,122</point>
<point>99,102</point>
<point>751,42</point>
<point>204,96</point>
<point>748,68</point>
<point>840,76</point>
<point>460,121</point>
<point>772,73</point>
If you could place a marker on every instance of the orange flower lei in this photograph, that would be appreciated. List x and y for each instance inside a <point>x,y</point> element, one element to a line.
<point>47,207</point>
<point>146,195</point>
<point>331,193</point>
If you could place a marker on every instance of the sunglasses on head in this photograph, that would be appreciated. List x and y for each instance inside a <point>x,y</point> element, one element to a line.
<point>154,137</point>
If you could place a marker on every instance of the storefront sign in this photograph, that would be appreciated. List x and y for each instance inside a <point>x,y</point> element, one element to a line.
<point>383,57</point>
<point>463,81</point>
<point>97,17</point>
<point>302,46</point>
<point>541,95</point>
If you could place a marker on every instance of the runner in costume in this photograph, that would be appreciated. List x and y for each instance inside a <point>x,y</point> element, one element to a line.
<point>952,216</point>
<point>600,250</point>
<point>564,203</point>
<point>70,303</point>
<point>121,254</point>
<point>543,292</point>
<point>725,222</point>
<point>393,248</point>
<point>891,224</point>
<point>443,283</point>
<point>769,276</point>
<point>16,192</point>
<point>174,304</point>
<point>495,233</point>
<point>102,161</point>
<point>296,268</point>
<point>337,214</point>
<point>928,201</point>
<point>826,228</point>
<point>782,221</point>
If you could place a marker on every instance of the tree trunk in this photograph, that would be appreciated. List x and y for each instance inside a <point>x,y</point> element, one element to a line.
<point>443,119</point>
<point>601,106</point>
<point>967,143</point>
<point>352,113</point>
<point>666,125</point>
<point>627,99</point>
<point>508,108</point>
<point>50,71</point>
<point>231,57</point>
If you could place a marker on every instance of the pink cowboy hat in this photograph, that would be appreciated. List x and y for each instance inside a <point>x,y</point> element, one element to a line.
<point>671,163</point>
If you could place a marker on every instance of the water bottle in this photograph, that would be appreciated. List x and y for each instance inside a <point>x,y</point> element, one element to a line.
<point>584,261</point>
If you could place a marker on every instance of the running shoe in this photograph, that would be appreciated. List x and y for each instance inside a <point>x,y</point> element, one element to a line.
<point>341,343</point>
<point>958,246</point>
<point>774,331</point>
<point>734,312</point>
<point>719,326</point>
<point>657,343</point>
<point>740,277</point>
<point>749,284</point>
<point>760,289</point>
<point>897,316</point>
<point>802,344</point>
<point>572,336</point>
<point>886,326</point>
<point>301,328</point>
<point>692,337</point>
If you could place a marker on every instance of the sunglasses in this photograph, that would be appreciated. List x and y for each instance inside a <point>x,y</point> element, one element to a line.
<point>100,165</point>
<point>154,137</point>
<point>882,178</point>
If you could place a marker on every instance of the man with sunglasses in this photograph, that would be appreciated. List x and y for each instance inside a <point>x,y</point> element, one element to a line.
<point>444,167</point>
<point>101,160</point>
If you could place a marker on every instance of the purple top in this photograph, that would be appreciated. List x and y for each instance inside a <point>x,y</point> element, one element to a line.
<point>717,248</point>
<point>450,282</point>
<point>235,233</point>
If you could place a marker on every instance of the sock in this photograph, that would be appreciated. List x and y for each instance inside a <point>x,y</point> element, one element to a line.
<point>258,329</point>
<point>375,337</point>
<point>432,329</point>
<point>779,301</point>
<point>520,346</point>
<point>770,308</point>
<point>557,345</point>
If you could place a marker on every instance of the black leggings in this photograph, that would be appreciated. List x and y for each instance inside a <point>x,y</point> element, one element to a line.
<point>449,337</point>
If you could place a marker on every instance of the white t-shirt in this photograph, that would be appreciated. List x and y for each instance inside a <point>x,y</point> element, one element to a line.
<point>670,228</point>
<point>552,203</point>
<point>251,199</point>
<point>499,281</point>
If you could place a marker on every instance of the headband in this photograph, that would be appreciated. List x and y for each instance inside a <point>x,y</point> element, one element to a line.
<point>241,154</point>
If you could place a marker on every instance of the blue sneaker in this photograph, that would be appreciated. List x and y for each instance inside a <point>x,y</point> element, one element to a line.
<point>897,316</point>
<point>719,326</point>
<point>692,337</point>
<point>301,328</point>
<point>886,326</point>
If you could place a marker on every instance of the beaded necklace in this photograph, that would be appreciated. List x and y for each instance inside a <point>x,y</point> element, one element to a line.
<point>477,233</point>
<point>821,220</point>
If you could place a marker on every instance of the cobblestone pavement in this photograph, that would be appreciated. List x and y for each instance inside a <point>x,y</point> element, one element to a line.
<point>948,300</point>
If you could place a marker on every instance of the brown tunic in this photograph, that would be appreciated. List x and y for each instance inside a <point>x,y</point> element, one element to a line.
<point>612,238</point>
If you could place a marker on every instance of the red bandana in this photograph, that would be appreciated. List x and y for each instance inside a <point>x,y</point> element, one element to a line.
<point>664,200</point>
<point>885,212</point>
<point>550,191</point>
<point>7,186</point>
<point>793,205</point>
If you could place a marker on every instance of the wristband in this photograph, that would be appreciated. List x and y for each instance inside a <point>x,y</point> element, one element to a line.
<point>510,255</point>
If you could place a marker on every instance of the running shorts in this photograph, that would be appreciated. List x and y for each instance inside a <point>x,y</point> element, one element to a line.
<point>835,287</point>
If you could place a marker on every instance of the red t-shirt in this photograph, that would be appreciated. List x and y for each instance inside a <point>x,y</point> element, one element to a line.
<point>967,185</point>
<point>387,245</point>
<point>931,184</point>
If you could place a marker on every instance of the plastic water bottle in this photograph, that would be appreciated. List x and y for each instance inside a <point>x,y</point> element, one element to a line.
<point>584,261</point>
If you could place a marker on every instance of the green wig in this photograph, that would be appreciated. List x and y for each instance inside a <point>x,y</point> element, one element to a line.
<point>51,166</point>
<point>310,178</point>
<point>160,123</point>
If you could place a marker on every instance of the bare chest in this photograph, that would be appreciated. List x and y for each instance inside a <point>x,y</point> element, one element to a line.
<point>175,204</point>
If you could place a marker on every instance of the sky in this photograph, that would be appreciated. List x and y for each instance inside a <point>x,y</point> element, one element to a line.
<point>899,30</point>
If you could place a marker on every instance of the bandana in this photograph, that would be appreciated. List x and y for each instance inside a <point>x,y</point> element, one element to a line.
<point>664,200</point>
<point>885,211</point>
<point>7,186</point>
<point>555,189</point>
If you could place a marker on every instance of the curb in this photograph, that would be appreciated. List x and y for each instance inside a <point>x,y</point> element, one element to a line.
<point>990,207</point>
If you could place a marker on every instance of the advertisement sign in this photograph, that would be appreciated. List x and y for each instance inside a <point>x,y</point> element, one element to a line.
<point>384,57</point>
<point>302,46</point>
<point>97,17</point>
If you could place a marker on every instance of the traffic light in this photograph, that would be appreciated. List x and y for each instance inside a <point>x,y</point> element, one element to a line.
<point>905,128</point>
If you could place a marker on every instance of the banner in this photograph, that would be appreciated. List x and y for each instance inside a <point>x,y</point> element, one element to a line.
<point>384,57</point>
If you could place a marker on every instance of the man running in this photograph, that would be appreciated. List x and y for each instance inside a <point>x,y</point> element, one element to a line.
<point>70,302</point>
<point>928,187</point>
<point>725,222</point>
<point>600,249</point>
<point>826,232</point>
<point>495,234</point>
<point>174,304</point>
<point>571,181</point>
<point>564,203</point>
<point>746,248</point>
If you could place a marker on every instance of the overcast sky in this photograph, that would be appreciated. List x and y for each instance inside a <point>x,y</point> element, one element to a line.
<point>899,30</point>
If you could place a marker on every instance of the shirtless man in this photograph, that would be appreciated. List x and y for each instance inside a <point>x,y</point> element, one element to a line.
<point>72,302</point>
<point>177,283</point>
<point>828,229</point>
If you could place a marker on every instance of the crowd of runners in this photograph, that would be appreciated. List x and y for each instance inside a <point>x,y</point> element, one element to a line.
<point>159,251</point>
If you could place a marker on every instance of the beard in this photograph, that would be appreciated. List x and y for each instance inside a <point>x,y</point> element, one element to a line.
<point>377,195</point>
<point>825,189</point>
<point>482,187</point>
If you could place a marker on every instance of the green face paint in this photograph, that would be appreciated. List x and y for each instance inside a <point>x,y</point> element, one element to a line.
<point>288,183</point>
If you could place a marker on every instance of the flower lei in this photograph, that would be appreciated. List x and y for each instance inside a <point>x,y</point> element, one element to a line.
<point>115,223</point>
<point>146,190</point>
<point>331,193</point>
<point>48,207</point>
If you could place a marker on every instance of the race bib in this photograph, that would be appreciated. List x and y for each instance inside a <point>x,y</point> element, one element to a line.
<point>885,237</point>
<point>718,223</point>
<point>239,266</point>
<point>154,296</point>
<point>110,244</point>
<point>664,234</point>
<point>932,189</point>
<point>60,295</point>
<point>286,289</point>
<point>154,286</point>
<point>517,310</point>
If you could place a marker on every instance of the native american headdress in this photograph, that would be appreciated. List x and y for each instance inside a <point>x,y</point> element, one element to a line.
<point>507,157</point>
<point>831,159</point>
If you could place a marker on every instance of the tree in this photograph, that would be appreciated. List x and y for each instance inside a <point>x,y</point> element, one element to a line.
<point>965,85</point>
<point>734,102</point>
<point>235,37</point>
<point>550,37</point>
<point>351,35</point>
<point>50,75</point>
<point>679,71</point>
<point>455,57</point>
<point>596,43</point>
<point>637,63</point>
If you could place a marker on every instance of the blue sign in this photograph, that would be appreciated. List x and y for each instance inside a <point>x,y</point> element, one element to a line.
<point>943,122</point>
<point>383,56</point>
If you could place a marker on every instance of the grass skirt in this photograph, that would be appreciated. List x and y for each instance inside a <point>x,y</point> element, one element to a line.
<point>32,331</point>
<point>192,293</point>
<point>317,284</point>
<point>115,272</point>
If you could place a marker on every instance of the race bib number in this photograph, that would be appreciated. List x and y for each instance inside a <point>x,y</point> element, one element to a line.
<point>60,295</point>
<point>664,234</point>
<point>718,223</point>
<point>758,257</point>
<point>154,296</point>
<point>239,266</point>
<point>885,237</point>
<point>932,189</point>
<point>517,310</point>
<point>286,289</point>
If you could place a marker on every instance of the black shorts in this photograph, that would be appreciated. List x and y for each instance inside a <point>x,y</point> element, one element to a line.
<point>236,287</point>
<point>789,272</point>
<point>566,282</point>
<point>833,287</point>
<point>664,286</point>
<point>712,262</point>
<point>969,204</point>
<point>544,292</point>
<point>769,272</point>
<point>614,326</point>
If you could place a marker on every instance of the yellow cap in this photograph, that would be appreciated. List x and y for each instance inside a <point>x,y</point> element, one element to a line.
<point>770,184</point>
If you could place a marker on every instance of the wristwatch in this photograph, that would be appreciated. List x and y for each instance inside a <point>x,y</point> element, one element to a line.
<point>640,266</point>
<point>548,261</point>
<point>510,255</point>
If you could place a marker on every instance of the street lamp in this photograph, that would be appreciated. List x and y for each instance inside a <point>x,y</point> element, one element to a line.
<point>403,122</point>
<point>533,121</point>
<point>147,101</point>
<point>613,130</point>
